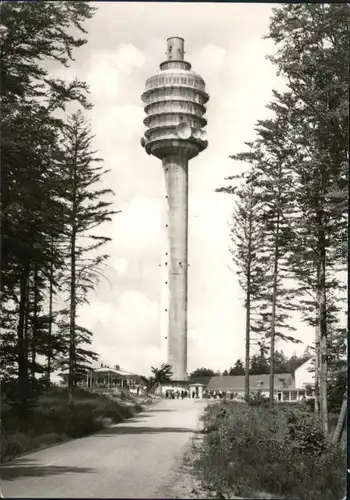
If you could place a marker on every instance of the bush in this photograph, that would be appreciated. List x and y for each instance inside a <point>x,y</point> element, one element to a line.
<point>305,434</point>
<point>258,399</point>
<point>250,450</point>
<point>14,444</point>
<point>51,421</point>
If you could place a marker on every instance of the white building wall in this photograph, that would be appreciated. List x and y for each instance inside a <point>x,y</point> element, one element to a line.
<point>302,375</point>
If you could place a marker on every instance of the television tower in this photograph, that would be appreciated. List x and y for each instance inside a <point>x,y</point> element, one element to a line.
<point>175,101</point>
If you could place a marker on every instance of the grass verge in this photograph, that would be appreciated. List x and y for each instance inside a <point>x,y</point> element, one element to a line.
<point>51,421</point>
<point>253,452</point>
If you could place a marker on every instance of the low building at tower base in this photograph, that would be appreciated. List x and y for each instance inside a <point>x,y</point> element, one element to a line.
<point>288,387</point>
<point>193,389</point>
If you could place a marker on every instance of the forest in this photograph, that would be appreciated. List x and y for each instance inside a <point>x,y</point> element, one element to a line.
<point>258,365</point>
<point>289,247</point>
<point>290,214</point>
<point>52,206</point>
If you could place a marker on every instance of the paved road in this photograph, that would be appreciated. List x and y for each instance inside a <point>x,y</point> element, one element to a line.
<point>135,459</point>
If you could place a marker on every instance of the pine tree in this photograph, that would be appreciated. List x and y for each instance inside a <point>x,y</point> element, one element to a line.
<point>259,365</point>
<point>312,53</point>
<point>247,243</point>
<point>237,369</point>
<point>86,210</point>
<point>31,214</point>
<point>273,184</point>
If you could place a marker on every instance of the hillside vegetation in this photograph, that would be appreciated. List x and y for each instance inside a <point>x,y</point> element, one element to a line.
<point>51,421</point>
<point>251,451</point>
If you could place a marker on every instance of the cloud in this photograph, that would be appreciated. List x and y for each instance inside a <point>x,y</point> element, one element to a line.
<point>119,125</point>
<point>120,265</point>
<point>107,69</point>
<point>127,57</point>
<point>139,226</point>
<point>209,59</point>
<point>125,328</point>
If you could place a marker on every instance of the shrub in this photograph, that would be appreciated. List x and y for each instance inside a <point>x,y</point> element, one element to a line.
<point>258,399</point>
<point>51,421</point>
<point>248,450</point>
<point>14,444</point>
<point>305,434</point>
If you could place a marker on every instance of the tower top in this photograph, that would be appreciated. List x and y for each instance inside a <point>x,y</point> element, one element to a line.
<point>176,49</point>
<point>175,99</point>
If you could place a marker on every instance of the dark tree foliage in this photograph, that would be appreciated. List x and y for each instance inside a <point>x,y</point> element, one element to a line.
<point>35,189</point>
<point>312,43</point>
<point>202,372</point>
<point>300,157</point>
<point>237,369</point>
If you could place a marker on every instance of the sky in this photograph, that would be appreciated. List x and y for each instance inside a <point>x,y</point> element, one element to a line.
<point>126,44</point>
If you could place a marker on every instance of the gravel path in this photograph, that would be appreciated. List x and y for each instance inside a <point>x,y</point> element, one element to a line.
<point>136,459</point>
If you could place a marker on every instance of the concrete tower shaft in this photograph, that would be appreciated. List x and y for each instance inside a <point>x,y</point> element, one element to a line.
<point>176,183</point>
<point>175,100</point>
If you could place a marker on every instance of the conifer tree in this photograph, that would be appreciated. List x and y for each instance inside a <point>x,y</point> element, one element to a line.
<point>312,54</point>
<point>273,184</point>
<point>31,209</point>
<point>247,240</point>
<point>87,208</point>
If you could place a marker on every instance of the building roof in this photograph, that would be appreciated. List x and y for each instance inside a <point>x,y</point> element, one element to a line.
<point>106,369</point>
<point>236,382</point>
<point>122,373</point>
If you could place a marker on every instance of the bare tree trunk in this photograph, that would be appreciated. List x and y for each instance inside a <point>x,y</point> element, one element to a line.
<point>323,338</point>
<point>247,346</point>
<point>35,322</point>
<point>341,419</point>
<point>49,333</point>
<point>247,319</point>
<point>26,321</point>
<point>273,317</point>
<point>22,355</point>
<point>73,298</point>
<point>71,376</point>
<point>317,369</point>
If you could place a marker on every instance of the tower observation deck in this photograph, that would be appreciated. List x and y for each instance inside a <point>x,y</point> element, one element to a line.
<point>174,101</point>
